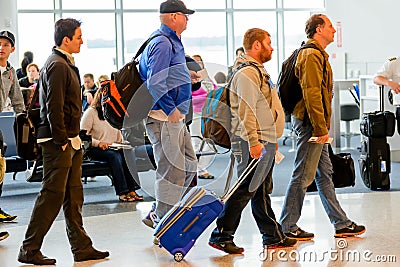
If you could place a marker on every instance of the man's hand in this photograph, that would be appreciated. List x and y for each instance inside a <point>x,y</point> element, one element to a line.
<point>195,77</point>
<point>89,98</point>
<point>256,151</point>
<point>103,145</point>
<point>64,147</point>
<point>394,86</point>
<point>175,116</point>
<point>322,139</point>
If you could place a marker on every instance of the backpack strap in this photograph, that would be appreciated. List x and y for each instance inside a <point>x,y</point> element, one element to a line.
<point>143,46</point>
<point>241,66</point>
<point>313,46</point>
<point>2,152</point>
<point>34,99</point>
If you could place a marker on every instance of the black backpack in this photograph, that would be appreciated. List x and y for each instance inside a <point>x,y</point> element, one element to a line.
<point>2,152</point>
<point>288,86</point>
<point>25,130</point>
<point>118,92</point>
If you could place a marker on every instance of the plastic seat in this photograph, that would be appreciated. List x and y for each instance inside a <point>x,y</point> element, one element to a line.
<point>348,113</point>
<point>288,133</point>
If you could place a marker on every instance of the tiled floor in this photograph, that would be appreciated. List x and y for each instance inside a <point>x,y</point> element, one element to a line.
<point>130,242</point>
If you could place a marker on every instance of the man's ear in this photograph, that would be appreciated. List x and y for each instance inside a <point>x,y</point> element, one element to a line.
<point>257,45</point>
<point>66,40</point>
<point>318,29</point>
<point>12,49</point>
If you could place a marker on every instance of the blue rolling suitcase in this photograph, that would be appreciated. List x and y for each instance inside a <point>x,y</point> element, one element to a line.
<point>179,229</point>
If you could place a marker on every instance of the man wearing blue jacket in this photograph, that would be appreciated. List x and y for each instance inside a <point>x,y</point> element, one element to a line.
<point>163,68</point>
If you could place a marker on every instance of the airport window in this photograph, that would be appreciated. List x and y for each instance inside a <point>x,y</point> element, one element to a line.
<point>88,4</point>
<point>35,35</point>
<point>264,20</point>
<point>250,4</point>
<point>147,4</point>
<point>294,28</point>
<point>192,4</point>
<point>136,31</point>
<point>214,32</point>
<point>205,4</point>
<point>304,4</point>
<point>35,5</point>
<point>97,54</point>
<point>209,42</point>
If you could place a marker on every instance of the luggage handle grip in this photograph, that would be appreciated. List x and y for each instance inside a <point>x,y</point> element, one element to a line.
<point>240,180</point>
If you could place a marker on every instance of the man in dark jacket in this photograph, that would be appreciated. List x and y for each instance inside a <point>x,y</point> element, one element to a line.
<point>58,135</point>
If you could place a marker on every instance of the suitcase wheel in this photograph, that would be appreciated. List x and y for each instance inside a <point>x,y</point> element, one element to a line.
<point>178,256</point>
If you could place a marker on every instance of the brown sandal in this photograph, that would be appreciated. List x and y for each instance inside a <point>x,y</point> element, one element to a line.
<point>126,198</point>
<point>135,196</point>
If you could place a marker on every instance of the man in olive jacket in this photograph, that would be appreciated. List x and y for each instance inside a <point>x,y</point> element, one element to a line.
<point>58,135</point>
<point>311,118</point>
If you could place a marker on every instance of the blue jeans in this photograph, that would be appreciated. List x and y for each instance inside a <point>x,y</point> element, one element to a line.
<point>176,162</point>
<point>124,182</point>
<point>256,187</point>
<point>311,161</point>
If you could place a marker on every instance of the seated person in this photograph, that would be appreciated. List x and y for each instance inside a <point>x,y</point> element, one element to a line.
<point>102,78</point>
<point>220,78</point>
<point>103,135</point>
<point>89,88</point>
<point>32,77</point>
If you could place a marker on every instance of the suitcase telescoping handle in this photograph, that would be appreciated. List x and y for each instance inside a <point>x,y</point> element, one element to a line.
<point>253,163</point>
<point>382,98</point>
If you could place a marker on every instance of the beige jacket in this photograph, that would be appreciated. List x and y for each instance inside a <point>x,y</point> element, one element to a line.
<point>252,107</point>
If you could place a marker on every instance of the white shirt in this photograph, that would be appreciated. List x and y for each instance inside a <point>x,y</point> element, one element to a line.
<point>390,69</point>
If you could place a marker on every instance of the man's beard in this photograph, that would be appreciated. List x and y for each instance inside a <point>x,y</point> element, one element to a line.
<point>264,55</point>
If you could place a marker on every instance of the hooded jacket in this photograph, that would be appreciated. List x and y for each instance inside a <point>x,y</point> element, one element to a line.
<point>9,87</point>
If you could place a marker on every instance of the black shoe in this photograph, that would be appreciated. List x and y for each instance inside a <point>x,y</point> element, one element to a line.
<point>226,246</point>
<point>36,259</point>
<point>287,242</point>
<point>300,235</point>
<point>351,230</point>
<point>91,254</point>
<point>4,235</point>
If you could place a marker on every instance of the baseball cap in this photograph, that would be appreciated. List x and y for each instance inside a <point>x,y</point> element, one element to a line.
<point>173,6</point>
<point>8,35</point>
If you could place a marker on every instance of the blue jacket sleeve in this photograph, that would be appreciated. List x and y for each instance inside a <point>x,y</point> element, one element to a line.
<point>159,59</point>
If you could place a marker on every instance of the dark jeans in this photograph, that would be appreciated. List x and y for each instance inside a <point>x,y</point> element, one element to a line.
<point>124,182</point>
<point>256,187</point>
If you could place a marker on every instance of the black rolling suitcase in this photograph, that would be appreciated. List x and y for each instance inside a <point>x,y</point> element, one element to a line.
<point>374,161</point>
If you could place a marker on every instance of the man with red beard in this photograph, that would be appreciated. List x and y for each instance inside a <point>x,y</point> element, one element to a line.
<point>255,107</point>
